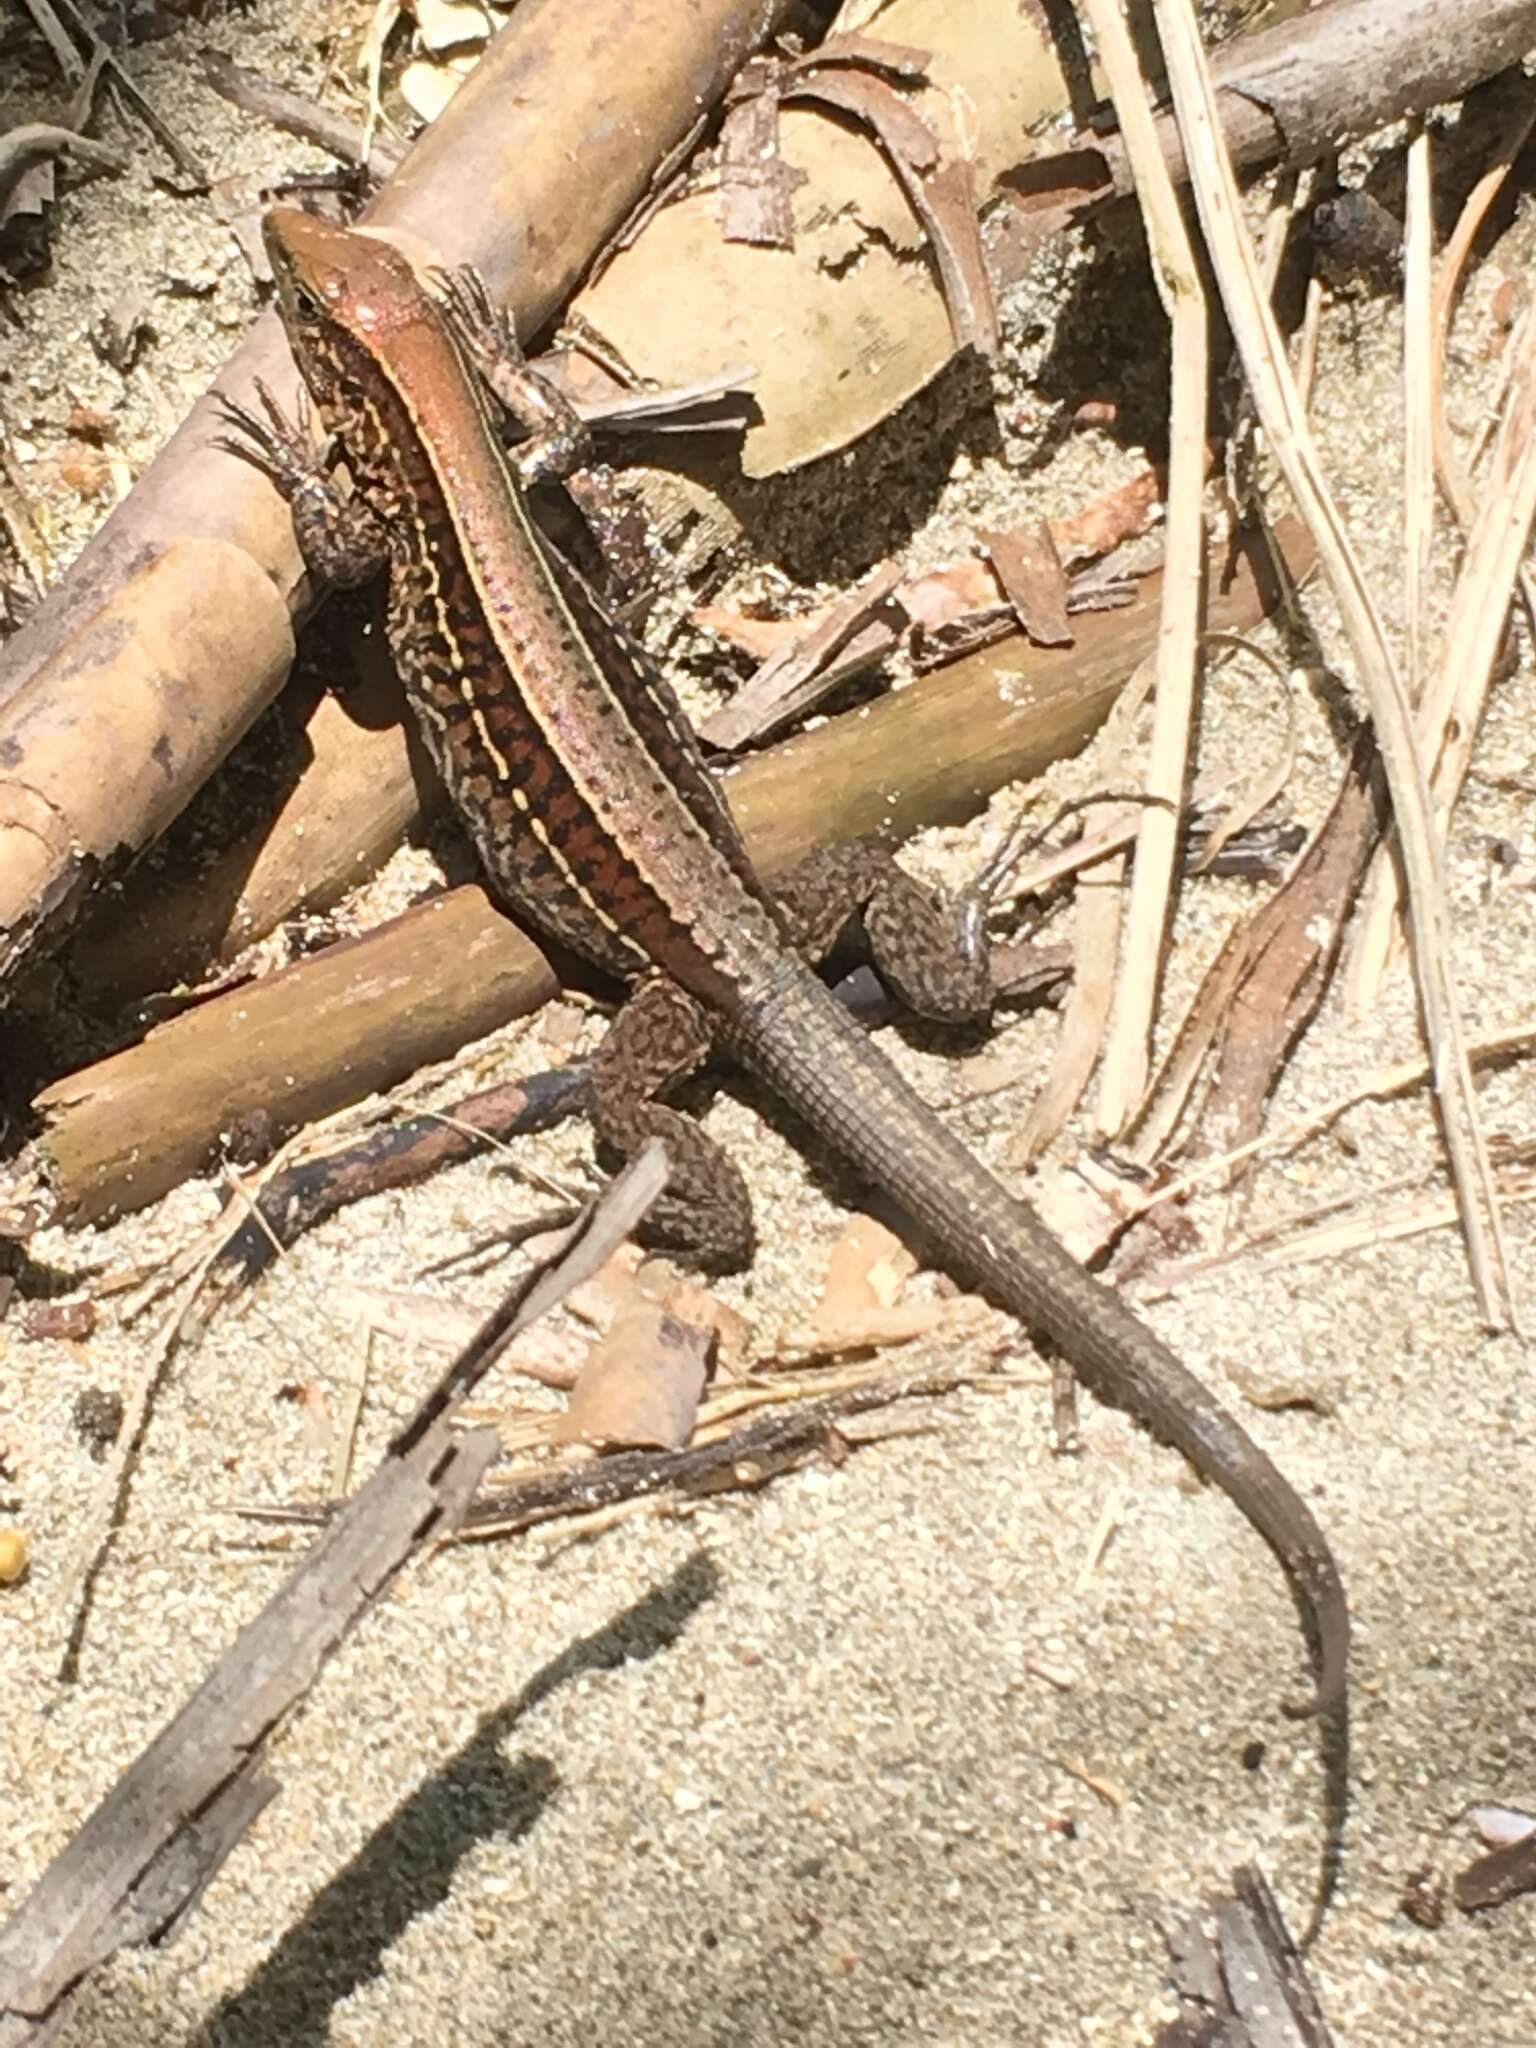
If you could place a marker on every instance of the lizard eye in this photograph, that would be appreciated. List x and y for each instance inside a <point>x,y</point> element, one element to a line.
<point>306,305</point>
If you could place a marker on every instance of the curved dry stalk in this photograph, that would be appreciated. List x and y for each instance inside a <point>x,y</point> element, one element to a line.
<point>1269,377</point>
<point>1127,1050</point>
<point>1259,790</point>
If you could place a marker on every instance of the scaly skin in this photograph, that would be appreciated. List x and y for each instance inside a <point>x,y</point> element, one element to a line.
<point>596,819</point>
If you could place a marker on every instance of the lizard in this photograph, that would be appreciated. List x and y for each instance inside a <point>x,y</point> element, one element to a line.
<point>596,820</point>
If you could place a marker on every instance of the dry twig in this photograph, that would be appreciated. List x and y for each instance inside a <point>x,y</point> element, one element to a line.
<point>1455,695</point>
<point>1128,1045</point>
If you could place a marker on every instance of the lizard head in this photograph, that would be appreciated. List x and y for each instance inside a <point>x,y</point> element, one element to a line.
<point>338,286</point>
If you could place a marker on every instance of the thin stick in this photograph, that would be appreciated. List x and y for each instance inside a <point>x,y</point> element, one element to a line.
<point>1418,405</point>
<point>1269,377</point>
<point>1127,1049</point>
<point>1491,573</point>
<point>1380,1086</point>
<point>353,1397</point>
<point>1374,936</point>
<point>57,37</point>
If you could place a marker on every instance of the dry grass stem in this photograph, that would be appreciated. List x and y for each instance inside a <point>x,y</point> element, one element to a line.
<point>1111,1516</point>
<point>1218,1171</point>
<point>1268,372</point>
<point>354,1394</point>
<point>1306,342</point>
<point>1252,797</point>
<point>1277,229</point>
<point>1113,1795</point>
<point>1090,995</point>
<point>370,66</point>
<point>1163,1106</point>
<point>1457,693</point>
<point>1310,1236</point>
<point>1453,477</point>
<point>108,1502</point>
<point>1419,396</point>
<point>1372,944</point>
<point>1127,1051</point>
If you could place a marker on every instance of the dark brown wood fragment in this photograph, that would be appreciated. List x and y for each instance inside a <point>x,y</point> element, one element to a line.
<point>394,1156</point>
<point>1502,1874</point>
<point>795,679</point>
<point>737,1462</point>
<point>1031,571</point>
<point>1289,948</point>
<point>56,1319</point>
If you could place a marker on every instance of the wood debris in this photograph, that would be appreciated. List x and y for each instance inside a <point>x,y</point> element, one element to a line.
<point>1240,1977</point>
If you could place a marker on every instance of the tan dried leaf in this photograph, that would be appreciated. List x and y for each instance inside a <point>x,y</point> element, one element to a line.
<point>641,1384</point>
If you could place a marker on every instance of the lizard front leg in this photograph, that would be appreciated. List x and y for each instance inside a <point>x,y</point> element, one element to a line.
<point>341,541</point>
<point>661,1034</point>
<point>556,440</point>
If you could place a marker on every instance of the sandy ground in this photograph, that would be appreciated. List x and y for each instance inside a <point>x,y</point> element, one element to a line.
<point>880,1754</point>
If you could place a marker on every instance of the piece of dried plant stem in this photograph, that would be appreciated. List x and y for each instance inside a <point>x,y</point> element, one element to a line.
<point>1457,692</point>
<point>1418,405</point>
<point>1373,942</point>
<point>1127,1050</point>
<point>1320,1234</point>
<point>1218,1170</point>
<point>1454,481</point>
<point>1268,373</point>
<point>1376,940</point>
<point>1306,342</point>
<point>1100,890</point>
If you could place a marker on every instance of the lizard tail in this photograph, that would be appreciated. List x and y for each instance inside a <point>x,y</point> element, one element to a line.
<point>801,1041</point>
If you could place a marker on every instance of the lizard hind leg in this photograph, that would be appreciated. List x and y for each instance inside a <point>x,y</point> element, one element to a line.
<point>929,950</point>
<point>660,1035</point>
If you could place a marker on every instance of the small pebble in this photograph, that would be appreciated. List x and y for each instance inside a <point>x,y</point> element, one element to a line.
<point>13,1556</point>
